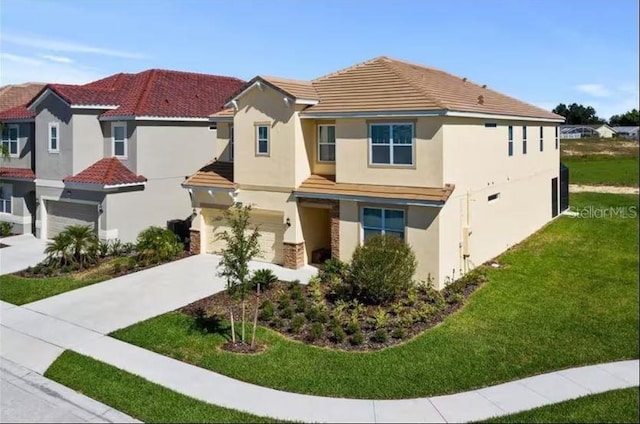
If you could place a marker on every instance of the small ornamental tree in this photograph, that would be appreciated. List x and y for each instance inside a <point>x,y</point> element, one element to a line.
<point>241,246</point>
<point>381,270</point>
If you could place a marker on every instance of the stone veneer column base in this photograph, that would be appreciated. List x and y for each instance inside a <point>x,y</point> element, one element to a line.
<point>335,230</point>
<point>293,255</point>
<point>194,242</point>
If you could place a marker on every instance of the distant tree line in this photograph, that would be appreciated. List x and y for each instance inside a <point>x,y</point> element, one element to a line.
<point>577,114</point>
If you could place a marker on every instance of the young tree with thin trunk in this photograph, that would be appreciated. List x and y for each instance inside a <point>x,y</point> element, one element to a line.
<point>241,246</point>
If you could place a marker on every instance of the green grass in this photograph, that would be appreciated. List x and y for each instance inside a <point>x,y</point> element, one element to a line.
<point>616,406</point>
<point>135,396</point>
<point>20,290</point>
<point>603,170</point>
<point>567,296</point>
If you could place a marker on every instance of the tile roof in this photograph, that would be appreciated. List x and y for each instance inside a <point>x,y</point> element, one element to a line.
<point>18,112</point>
<point>216,174</point>
<point>390,85</point>
<point>106,171</point>
<point>17,173</point>
<point>224,113</point>
<point>325,185</point>
<point>296,88</point>
<point>156,93</point>
<point>15,95</point>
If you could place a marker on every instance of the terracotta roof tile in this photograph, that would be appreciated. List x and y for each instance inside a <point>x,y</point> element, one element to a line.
<point>224,113</point>
<point>156,92</point>
<point>12,96</point>
<point>107,171</point>
<point>326,185</point>
<point>217,174</point>
<point>298,89</point>
<point>17,173</point>
<point>18,112</point>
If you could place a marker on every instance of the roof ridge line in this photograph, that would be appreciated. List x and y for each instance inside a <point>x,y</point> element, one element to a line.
<point>339,71</point>
<point>388,64</point>
<point>145,90</point>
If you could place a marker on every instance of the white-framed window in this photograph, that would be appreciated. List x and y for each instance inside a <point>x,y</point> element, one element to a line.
<point>262,140</point>
<point>326,143</point>
<point>231,146</point>
<point>10,140</point>
<point>524,140</point>
<point>382,221</point>
<point>54,137</point>
<point>557,139</point>
<point>510,140</point>
<point>391,144</point>
<point>541,139</point>
<point>5,198</point>
<point>119,139</point>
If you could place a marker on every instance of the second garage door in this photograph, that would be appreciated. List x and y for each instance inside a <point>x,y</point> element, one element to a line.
<point>271,228</point>
<point>62,214</point>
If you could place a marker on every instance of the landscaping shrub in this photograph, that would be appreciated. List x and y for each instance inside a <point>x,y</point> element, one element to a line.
<point>337,334</point>
<point>357,338</point>
<point>353,327</point>
<point>155,244</point>
<point>380,318</point>
<point>297,323</point>
<point>398,333</point>
<point>287,312</point>
<point>267,310</point>
<point>381,269</point>
<point>316,332</point>
<point>301,305</point>
<point>426,312</point>
<point>333,269</point>
<point>317,315</point>
<point>380,336</point>
<point>284,302</point>
<point>264,277</point>
<point>77,244</point>
<point>5,229</point>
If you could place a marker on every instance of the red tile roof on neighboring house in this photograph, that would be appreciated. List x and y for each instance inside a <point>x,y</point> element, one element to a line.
<point>107,171</point>
<point>153,93</point>
<point>15,95</point>
<point>17,173</point>
<point>18,112</point>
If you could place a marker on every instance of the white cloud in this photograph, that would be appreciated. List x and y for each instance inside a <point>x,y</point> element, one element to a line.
<point>595,90</point>
<point>66,46</point>
<point>18,69</point>
<point>59,59</point>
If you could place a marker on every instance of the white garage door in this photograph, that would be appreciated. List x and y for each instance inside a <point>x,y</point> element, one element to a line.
<point>271,227</point>
<point>62,214</point>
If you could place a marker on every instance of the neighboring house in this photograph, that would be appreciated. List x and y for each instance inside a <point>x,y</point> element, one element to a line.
<point>459,171</point>
<point>581,131</point>
<point>630,133</point>
<point>110,154</point>
<point>18,94</point>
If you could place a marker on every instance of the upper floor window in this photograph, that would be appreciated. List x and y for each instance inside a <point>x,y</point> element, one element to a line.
<point>524,140</point>
<point>119,139</point>
<point>54,137</point>
<point>262,140</point>
<point>10,139</point>
<point>510,140</point>
<point>326,143</point>
<point>5,198</point>
<point>382,221</point>
<point>541,139</point>
<point>391,144</point>
<point>557,139</point>
<point>231,146</point>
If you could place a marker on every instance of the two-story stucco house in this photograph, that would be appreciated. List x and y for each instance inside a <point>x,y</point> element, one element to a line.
<point>110,154</point>
<point>459,171</point>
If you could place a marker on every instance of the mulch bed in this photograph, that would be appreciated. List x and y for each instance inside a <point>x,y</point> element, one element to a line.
<point>403,320</point>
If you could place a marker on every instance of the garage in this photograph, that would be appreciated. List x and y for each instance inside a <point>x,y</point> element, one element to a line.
<point>270,224</point>
<point>62,214</point>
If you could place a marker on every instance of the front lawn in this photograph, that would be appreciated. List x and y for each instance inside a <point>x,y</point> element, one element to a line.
<point>20,290</point>
<point>616,406</point>
<point>567,296</point>
<point>603,170</point>
<point>135,396</point>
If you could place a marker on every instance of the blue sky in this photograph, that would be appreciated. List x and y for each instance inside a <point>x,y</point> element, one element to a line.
<point>540,51</point>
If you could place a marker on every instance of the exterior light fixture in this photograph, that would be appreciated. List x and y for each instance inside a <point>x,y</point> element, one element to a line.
<point>288,222</point>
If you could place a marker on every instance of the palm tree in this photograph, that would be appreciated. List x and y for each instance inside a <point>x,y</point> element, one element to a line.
<point>83,243</point>
<point>58,250</point>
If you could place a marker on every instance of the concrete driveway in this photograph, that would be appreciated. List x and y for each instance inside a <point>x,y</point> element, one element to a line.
<point>22,252</point>
<point>123,301</point>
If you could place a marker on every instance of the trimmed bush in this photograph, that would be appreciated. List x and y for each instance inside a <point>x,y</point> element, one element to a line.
<point>337,334</point>
<point>357,338</point>
<point>398,333</point>
<point>5,229</point>
<point>380,336</point>
<point>155,245</point>
<point>333,269</point>
<point>316,332</point>
<point>287,312</point>
<point>381,270</point>
<point>267,310</point>
<point>297,323</point>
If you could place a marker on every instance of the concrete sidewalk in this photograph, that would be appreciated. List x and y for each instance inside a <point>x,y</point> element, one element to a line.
<point>31,398</point>
<point>24,251</point>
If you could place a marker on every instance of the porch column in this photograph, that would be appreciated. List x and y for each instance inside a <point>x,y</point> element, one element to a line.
<point>335,230</point>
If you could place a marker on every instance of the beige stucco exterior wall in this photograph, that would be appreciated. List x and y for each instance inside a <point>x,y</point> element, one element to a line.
<point>222,144</point>
<point>522,181</point>
<point>87,136</point>
<point>316,229</point>
<point>310,134</point>
<point>352,155</point>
